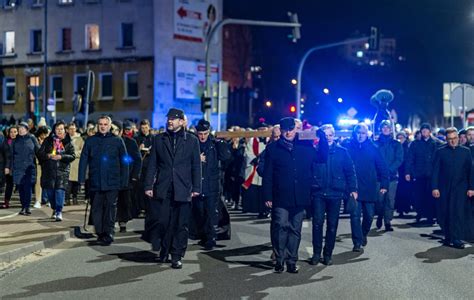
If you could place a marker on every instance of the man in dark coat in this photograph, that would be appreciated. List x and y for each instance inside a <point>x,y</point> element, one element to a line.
<point>213,152</point>
<point>55,157</point>
<point>333,179</point>
<point>287,180</point>
<point>392,153</point>
<point>419,168</point>
<point>452,184</point>
<point>134,161</point>
<point>104,154</point>
<point>22,164</point>
<point>369,167</point>
<point>403,198</point>
<point>172,179</point>
<point>144,140</point>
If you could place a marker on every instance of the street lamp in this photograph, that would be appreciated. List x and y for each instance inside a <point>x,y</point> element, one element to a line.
<point>340,100</point>
<point>294,81</point>
<point>268,103</point>
<point>326,91</point>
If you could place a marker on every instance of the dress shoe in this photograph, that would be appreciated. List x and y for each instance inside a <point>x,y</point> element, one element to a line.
<point>209,245</point>
<point>357,248</point>
<point>379,223</point>
<point>279,268</point>
<point>388,227</point>
<point>364,241</point>
<point>292,268</point>
<point>459,245</point>
<point>177,264</point>
<point>447,243</point>
<point>123,229</point>
<point>327,260</point>
<point>27,212</point>
<point>314,261</point>
<point>106,240</point>
<point>22,212</point>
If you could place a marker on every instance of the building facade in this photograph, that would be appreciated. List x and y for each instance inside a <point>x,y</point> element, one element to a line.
<point>137,49</point>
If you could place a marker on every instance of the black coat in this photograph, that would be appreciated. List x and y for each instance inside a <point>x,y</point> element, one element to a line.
<point>392,153</point>
<point>215,151</point>
<point>133,160</point>
<point>55,173</point>
<point>5,156</point>
<point>453,177</point>
<point>23,152</point>
<point>419,163</point>
<point>147,142</point>
<point>179,169</point>
<point>288,175</point>
<point>105,156</point>
<point>337,176</point>
<point>369,167</point>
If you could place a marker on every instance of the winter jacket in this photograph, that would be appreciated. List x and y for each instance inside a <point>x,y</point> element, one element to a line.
<point>392,153</point>
<point>105,157</point>
<point>5,156</point>
<point>215,151</point>
<point>133,160</point>
<point>78,143</point>
<point>336,176</point>
<point>174,164</point>
<point>55,173</point>
<point>420,158</point>
<point>369,166</point>
<point>23,151</point>
<point>288,174</point>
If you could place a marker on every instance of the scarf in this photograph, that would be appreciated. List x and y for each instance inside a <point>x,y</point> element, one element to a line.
<point>286,144</point>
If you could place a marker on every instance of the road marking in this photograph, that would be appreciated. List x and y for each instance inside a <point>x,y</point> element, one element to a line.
<point>9,216</point>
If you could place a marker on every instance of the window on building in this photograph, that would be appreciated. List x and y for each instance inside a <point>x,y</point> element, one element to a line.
<point>9,43</point>
<point>127,34</point>
<point>66,2</point>
<point>80,84</point>
<point>36,40</point>
<point>9,90</point>
<point>66,44</point>
<point>105,86</point>
<point>57,86</point>
<point>131,85</point>
<point>92,37</point>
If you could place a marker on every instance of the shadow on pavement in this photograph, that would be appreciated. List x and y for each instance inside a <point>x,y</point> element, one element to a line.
<point>119,276</point>
<point>438,254</point>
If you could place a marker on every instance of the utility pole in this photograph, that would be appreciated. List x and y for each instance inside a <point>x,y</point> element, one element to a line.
<point>207,93</point>
<point>45,63</point>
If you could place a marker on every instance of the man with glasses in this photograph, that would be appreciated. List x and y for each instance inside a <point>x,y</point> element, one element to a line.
<point>452,183</point>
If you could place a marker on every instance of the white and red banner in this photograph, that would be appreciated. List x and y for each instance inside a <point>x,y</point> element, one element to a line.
<point>194,19</point>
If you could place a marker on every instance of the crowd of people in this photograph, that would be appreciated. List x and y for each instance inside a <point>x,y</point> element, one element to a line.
<point>182,179</point>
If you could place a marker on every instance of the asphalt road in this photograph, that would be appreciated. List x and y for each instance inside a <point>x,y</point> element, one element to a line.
<point>409,263</point>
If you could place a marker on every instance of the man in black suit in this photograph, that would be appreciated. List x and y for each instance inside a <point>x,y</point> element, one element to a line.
<point>173,177</point>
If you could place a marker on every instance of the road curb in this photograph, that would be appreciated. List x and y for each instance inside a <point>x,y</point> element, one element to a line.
<point>48,242</point>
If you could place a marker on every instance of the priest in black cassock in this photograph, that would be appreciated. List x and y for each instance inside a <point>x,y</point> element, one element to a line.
<point>453,184</point>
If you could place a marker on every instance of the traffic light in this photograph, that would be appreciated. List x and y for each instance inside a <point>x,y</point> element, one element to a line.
<point>292,108</point>
<point>296,34</point>
<point>374,38</point>
<point>205,103</point>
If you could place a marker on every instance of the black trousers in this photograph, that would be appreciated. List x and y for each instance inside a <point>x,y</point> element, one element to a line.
<point>73,188</point>
<point>205,214</point>
<point>167,226</point>
<point>103,211</point>
<point>124,206</point>
<point>425,205</point>
<point>286,233</point>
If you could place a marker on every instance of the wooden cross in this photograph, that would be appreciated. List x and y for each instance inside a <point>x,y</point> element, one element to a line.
<point>302,135</point>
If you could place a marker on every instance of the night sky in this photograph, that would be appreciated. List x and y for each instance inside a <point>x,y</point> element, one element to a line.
<point>435,36</point>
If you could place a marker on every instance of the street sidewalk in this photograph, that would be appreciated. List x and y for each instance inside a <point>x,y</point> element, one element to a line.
<point>23,235</point>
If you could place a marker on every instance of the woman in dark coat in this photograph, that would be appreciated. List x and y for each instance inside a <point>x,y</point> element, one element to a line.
<point>55,155</point>
<point>5,152</point>
<point>22,165</point>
